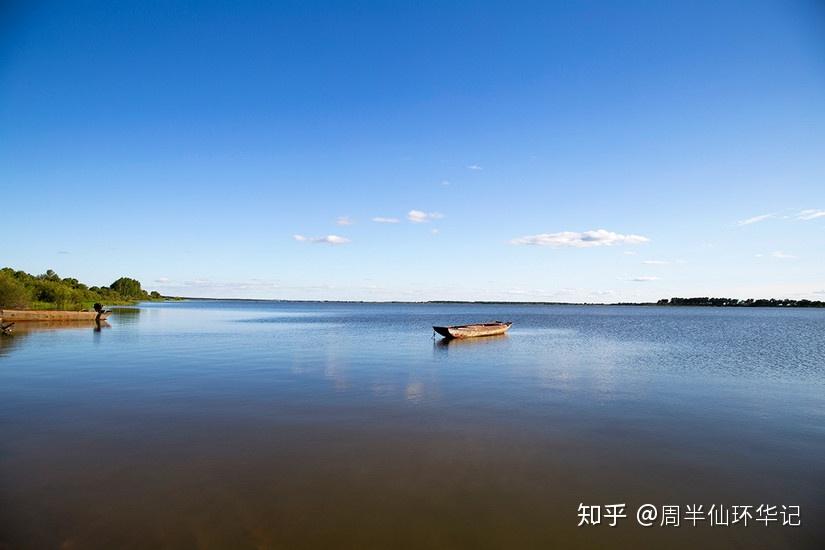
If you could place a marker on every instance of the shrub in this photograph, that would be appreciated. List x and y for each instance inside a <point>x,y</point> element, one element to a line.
<point>12,292</point>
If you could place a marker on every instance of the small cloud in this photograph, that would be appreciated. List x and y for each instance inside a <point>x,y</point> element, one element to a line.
<point>417,216</point>
<point>782,256</point>
<point>162,280</point>
<point>380,219</point>
<point>575,239</point>
<point>755,219</point>
<point>644,279</point>
<point>810,214</point>
<point>344,220</point>
<point>474,167</point>
<point>63,252</point>
<point>629,252</point>
<point>517,291</point>
<point>328,239</point>
<point>600,293</point>
<point>445,182</point>
<point>332,239</point>
<point>435,231</point>
<point>655,262</point>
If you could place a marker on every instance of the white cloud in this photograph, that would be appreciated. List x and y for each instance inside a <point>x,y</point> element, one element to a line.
<point>644,279</point>
<point>417,216</point>
<point>333,239</point>
<point>162,280</point>
<point>755,219</point>
<point>778,255</point>
<point>783,256</point>
<point>805,215</point>
<point>655,262</point>
<point>328,239</point>
<point>344,220</point>
<point>517,291</point>
<point>380,219</point>
<point>222,288</point>
<point>445,182</point>
<point>810,214</point>
<point>601,293</point>
<point>575,239</point>
<point>474,167</point>
<point>434,231</point>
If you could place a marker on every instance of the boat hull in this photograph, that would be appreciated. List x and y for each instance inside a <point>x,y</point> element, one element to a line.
<point>23,315</point>
<point>473,331</point>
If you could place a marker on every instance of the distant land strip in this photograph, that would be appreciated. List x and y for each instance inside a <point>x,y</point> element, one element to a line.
<point>702,302</point>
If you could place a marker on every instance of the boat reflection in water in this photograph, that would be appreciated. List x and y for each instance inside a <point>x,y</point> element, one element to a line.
<point>10,341</point>
<point>36,326</point>
<point>20,331</point>
<point>443,345</point>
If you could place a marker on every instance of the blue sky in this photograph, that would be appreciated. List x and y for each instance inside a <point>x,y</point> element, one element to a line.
<point>572,151</point>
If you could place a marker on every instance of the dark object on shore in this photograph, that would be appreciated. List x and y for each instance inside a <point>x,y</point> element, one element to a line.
<point>6,329</point>
<point>473,331</point>
<point>101,314</point>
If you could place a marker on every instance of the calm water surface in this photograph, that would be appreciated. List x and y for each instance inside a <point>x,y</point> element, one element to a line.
<point>296,425</point>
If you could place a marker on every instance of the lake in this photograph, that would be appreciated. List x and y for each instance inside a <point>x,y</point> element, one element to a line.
<point>232,424</point>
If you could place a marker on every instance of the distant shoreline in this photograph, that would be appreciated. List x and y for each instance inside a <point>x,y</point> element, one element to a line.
<point>680,302</point>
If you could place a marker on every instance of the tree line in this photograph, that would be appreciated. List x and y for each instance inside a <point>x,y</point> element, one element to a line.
<point>19,289</point>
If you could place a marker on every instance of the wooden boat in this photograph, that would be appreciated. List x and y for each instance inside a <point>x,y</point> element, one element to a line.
<point>473,331</point>
<point>21,315</point>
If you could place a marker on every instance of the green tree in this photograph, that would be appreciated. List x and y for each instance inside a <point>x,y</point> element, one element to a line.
<point>128,288</point>
<point>49,275</point>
